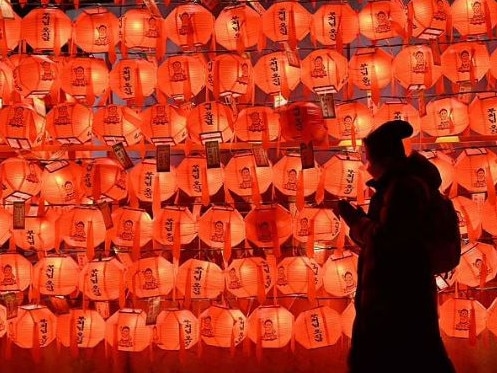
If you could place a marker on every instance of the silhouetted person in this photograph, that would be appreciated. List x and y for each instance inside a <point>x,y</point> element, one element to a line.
<point>396,326</point>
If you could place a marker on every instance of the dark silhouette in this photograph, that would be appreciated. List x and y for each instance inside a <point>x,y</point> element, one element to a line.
<point>396,326</point>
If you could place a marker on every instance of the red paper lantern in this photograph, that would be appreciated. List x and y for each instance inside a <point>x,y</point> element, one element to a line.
<point>353,121</point>
<point>74,226</point>
<point>247,277</point>
<point>334,22</point>
<point>15,272</point>
<point>370,69</point>
<point>445,117</point>
<point>465,62</point>
<point>34,75</point>
<point>105,179</point>
<point>478,264</point>
<point>382,19</point>
<point>340,274</point>
<point>61,182</point>
<point>474,17</point>
<point>20,179</point>
<point>218,223</point>
<point>303,122</point>
<point>70,123</point>
<point>142,30</point>
<point>493,64</point>
<point>230,76</point>
<point>150,277</point>
<point>205,279</point>
<point>127,330</point>
<point>483,113</point>
<point>237,27</point>
<point>429,18</point>
<point>318,327</point>
<point>10,34</point>
<point>393,110</point>
<point>320,223</point>
<point>114,124</point>
<point>469,216</point>
<point>85,327</point>
<point>271,326</point>
<point>210,121</point>
<point>6,81</point>
<point>35,325</point>
<point>347,318</point>
<point>22,126</point>
<point>166,221</point>
<point>96,30</point>
<point>325,71</point>
<point>288,171</point>
<point>56,275</point>
<point>164,124</point>
<point>38,234</point>
<point>268,225</point>
<point>223,327</point>
<point>133,79</point>
<point>193,176</point>
<point>128,223</point>
<point>176,329</point>
<point>458,316</point>
<point>344,175</point>
<point>144,179</point>
<point>444,164</point>
<point>294,274</point>
<point>473,167</point>
<point>102,279</point>
<point>257,124</point>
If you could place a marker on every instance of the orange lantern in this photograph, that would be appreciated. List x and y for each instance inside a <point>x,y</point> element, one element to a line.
<point>268,225</point>
<point>222,326</point>
<point>61,182</point>
<point>199,279</point>
<point>34,75</point>
<point>131,226</point>
<point>459,316</point>
<point>70,123</point>
<point>429,18</point>
<point>142,30</point>
<point>469,217</point>
<point>35,325</point>
<point>237,27</point>
<point>46,29</point>
<point>230,76</point>
<point>492,317</point>
<point>195,179</point>
<point>415,69</point>
<point>325,71</point>
<point>84,78</point>
<point>21,126</point>
<point>444,164</point>
<point>102,279</point>
<point>493,64</point>
<point>20,179</point>
<point>353,121</point>
<point>294,274</point>
<point>10,34</point>
<point>382,19</point>
<point>257,124</point>
<point>5,226</point>
<point>286,22</point>
<point>465,62</point>
<point>74,226</point>
<point>105,179</point>
<point>318,327</point>
<point>319,224</point>
<point>478,264</point>
<point>242,172</point>
<point>340,274</point>
<point>475,169</point>
<point>248,277</point>
<point>271,326</point>
<point>164,124</point>
<point>6,81</point>
<point>474,17</point>
<point>150,277</point>
<point>288,173</point>
<point>370,69</point>
<point>182,77</point>
<point>483,113</point>
<point>171,218</point>
<point>394,110</point>
<point>144,179</point>
<point>219,224</point>
<point>445,117</point>
<point>347,318</point>
<point>334,23</point>
<point>127,330</point>
<point>176,329</point>
<point>83,328</point>
<point>133,79</point>
<point>38,234</point>
<point>210,121</point>
<point>115,124</point>
<point>56,275</point>
<point>344,175</point>
<point>15,272</point>
<point>189,25</point>
<point>303,122</point>
<point>96,30</point>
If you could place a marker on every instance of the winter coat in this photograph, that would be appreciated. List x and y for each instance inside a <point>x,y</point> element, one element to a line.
<point>396,325</point>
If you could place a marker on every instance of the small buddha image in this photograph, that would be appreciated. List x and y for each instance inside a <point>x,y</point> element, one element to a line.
<point>246,178</point>
<point>478,16</point>
<point>420,63</point>
<point>8,277</point>
<point>207,329</point>
<point>440,14</point>
<point>481,178</point>
<point>112,116</point>
<point>281,280</point>
<point>153,28</point>
<point>127,232</point>
<point>70,192</point>
<point>304,227</point>
<point>269,331</point>
<point>218,234</point>
<point>186,27</point>
<point>150,282</point>
<point>244,78</point>
<point>465,62</point>
<point>382,22</point>
<point>18,119</point>
<point>264,233</point>
<point>62,116</point>
<point>234,280</point>
<point>318,70</point>
<point>79,233</point>
<point>256,122</point>
<point>444,122</point>
<point>102,38</point>
<point>291,181</point>
<point>349,281</point>
<point>32,176</point>
<point>464,319</point>
<point>79,77</point>
<point>178,74</point>
<point>125,339</point>
<point>47,73</point>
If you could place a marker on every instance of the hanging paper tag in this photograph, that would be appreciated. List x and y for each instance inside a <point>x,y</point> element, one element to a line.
<point>82,259</point>
<point>6,10</point>
<point>11,302</point>
<point>328,105</point>
<point>307,155</point>
<point>106,213</point>
<point>163,156</point>
<point>279,101</point>
<point>257,7</point>
<point>260,156</point>
<point>212,154</point>
<point>103,309</point>
<point>154,308</point>
<point>152,7</point>
<point>122,155</point>
<point>19,215</point>
<point>465,94</point>
<point>292,56</point>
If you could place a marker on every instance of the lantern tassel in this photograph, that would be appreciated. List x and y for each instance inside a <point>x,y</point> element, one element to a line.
<point>205,188</point>
<point>299,194</point>
<point>135,254</point>
<point>232,343</point>
<point>176,249</point>
<point>182,350</point>
<point>261,291</point>
<point>35,352</point>
<point>227,242</point>
<point>96,184</point>
<point>320,187</point>
<point>311,286</point>
<point>360,188</point>
<point>3,40</point>
<point>483,271</point>
<point>156,198</point>
<point>188,290</point>
<point>73,341</point>
<point>258,347</point>
<point>256,194</point>
<point>90,245</point>
<point>472,325</point>
<point>122,293</point>
<point>341,236</point>
<point>276,240</point>
<point>310,240</point>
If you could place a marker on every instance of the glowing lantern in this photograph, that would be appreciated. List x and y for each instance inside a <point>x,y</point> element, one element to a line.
<point>150,277</point>
<point>468,212</point>
<point>11,33</point>
<point>222,327</point>
<point>70,123</point>
<point>105,179</point>
<point>303,122</point>
<point>247,277</point>
<point>130,225</point>
<point>414,67</point>
<point>194,178</point>
<point>347,318</point>
<point>115,124</point>
<point>478,264</point>
<point>86,328</point>
<point>382,19</point>
<point>295,273</point>
<point>168,219</point>
<point>473,167</point>
<point>286,21</point>
<point>20,179</point>
<point>189,25</point>
<point>318,223</point>
<point>182,77</point>
<point>230,76</point>
<point>493,64</point>
<point>474,17</point>
<point>21,126</point>
<point>325,71</point>
<point>46,29</point>
<point>268,225</point>
<point>38,234</point>
<point>353,121</point>
<point>370,69</point>
<point>483,113</point>
<point>75,226</point>
<point>206,279</point>
<point>318,327</point>
<point>56,275</point>
<point>492,317</point>
<point>102,279</point>
<point>218,223</point>
<point>275,75</point>
<point>144,179</point>
<point>393,110</point>
<point>271,326</point>
<point>288,171</point>
<point>34,75</point>
<point>133,79</point>
<point>5,226</point>
<point>15,272</point>
<point>340,274</point>
<point>344,175</point>
<point>35,324</point>
<point>176,328</point>
<point>257,124</point>
<point>444,164</point>
<point>456,317</point>
<point>61,182</point>
<point>129,330</point>
<point>3,321</point>
<point>429,18</point>
<point>164,124</point>
<point>141,30</point>
<point>6,81</point>
<point>333,23</point>
<point>242,172</point>
<point>209,121</point>
<point>445,117</point>
<point>237,27</point>
<point>465,62</point>
<point>96,30</point>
